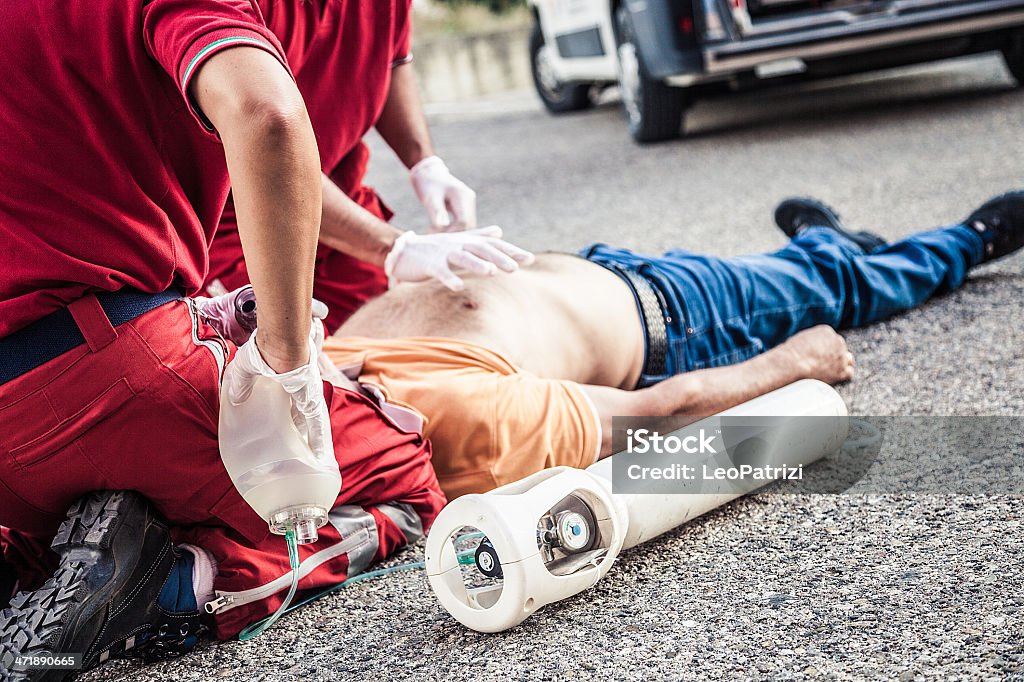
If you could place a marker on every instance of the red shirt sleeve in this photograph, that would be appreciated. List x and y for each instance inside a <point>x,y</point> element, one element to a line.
<point>182,34</point>
<point>402,50</point>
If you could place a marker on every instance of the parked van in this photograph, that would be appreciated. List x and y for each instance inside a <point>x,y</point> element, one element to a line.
<point>663,54</point>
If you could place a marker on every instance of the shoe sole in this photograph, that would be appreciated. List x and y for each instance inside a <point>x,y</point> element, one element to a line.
<point>38,623</point>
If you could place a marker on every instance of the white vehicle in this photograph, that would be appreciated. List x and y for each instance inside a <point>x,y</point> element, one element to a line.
<point>665,53</point>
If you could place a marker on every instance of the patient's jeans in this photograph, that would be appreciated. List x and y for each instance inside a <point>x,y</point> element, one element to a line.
<point>720,311</point>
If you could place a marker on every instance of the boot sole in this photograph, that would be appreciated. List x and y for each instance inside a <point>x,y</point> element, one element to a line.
<point>41,623</point>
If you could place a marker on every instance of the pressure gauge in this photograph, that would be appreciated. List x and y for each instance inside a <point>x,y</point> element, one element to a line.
<point>573,531</point>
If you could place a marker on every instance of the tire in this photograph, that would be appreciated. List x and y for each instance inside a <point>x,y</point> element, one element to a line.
<point>654,111</point>
<point>559,98</point>
<point>1013,55</point>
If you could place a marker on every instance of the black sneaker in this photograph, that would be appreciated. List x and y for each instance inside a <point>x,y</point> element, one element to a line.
<point>121,589</point>
<point>798,213</point>
<point>1000,222</point>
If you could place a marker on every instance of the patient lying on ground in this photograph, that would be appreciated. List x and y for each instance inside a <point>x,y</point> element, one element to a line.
<point>524,371</point>
<point>519,373</point>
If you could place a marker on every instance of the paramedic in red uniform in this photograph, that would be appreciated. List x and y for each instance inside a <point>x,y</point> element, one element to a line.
<point>352,66</point>
<point>121,122</point>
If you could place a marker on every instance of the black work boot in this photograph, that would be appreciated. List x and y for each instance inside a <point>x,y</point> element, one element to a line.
<point>798,213</point>
<point>1000,223</point>
<point>121,589</point>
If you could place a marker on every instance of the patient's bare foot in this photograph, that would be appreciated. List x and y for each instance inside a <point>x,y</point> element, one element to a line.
<point>821,353</point>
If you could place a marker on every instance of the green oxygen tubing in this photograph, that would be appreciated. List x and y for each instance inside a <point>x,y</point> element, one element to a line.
<point>256,629</point>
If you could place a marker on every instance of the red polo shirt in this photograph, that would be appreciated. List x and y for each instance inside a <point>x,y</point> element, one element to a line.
<point>108,178</point>
<point>342,52</point>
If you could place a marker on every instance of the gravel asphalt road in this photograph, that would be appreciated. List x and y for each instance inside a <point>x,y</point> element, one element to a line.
<point>907,586</point>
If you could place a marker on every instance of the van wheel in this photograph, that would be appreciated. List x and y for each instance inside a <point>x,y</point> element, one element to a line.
<point>654,111</point>
<point>1013,55</point>
<point>557,97</point>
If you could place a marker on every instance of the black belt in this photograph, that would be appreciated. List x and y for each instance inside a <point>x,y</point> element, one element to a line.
<point>653,316</point>
<point>57,333</point>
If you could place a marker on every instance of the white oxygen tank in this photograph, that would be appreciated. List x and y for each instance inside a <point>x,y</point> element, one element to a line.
<point>812,420</point>
<point>271,464</point>
<point>494,559</point>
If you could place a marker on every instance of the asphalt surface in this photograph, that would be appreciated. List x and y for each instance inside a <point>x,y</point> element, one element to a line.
<point>908,586</point>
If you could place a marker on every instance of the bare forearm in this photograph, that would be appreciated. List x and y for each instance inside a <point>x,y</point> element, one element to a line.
<point>402,123</point>
<point>277,200</point>
<point>709,391</point>
<point>351,229</point>
<point>815,353</point>
<point>699,393</point>
<point>274,166</point>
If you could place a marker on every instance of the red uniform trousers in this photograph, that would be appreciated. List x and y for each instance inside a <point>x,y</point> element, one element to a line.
<point>136,408</point>
<point>342,282</point>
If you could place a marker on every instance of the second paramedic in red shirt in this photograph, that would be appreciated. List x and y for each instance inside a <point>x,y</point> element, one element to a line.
<point>352,63</point>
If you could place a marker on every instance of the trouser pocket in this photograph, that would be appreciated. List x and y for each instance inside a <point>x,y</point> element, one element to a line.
<point>46,417</point>
<point>36,449</point>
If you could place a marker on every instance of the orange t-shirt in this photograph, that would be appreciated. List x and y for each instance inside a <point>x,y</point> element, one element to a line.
<point>490,423</point>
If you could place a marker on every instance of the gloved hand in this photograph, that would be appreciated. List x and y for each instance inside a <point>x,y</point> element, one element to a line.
<point>303,385</point>
<point>233,314</point>
<point>417,258</point>
<point>450,203</point>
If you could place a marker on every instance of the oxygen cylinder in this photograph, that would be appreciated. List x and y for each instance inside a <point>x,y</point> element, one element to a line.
<point>811,421</point>
<point>556,533</point>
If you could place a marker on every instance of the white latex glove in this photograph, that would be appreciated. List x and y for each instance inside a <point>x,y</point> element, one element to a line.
<point>418,258</point>
<point>304,386</point>
<point>233,314</point>
<point>450,203</point>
